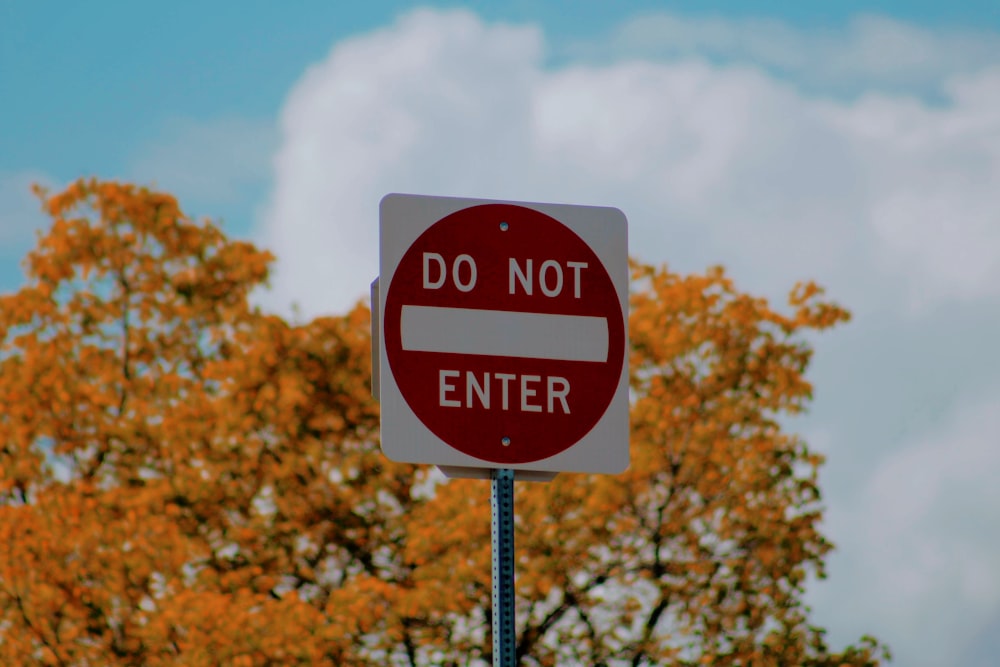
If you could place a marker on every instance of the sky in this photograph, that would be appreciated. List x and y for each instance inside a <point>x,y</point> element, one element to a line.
<point>853,143</point>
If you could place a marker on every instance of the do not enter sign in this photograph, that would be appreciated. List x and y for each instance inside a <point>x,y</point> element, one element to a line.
<point>503,334</point>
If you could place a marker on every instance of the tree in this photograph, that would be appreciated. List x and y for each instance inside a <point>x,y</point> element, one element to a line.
<point>185,479</point>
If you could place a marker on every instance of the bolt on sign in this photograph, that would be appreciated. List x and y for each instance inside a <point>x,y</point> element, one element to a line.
<point>501,334</point>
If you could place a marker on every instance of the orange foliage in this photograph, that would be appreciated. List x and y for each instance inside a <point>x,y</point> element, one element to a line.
<point>187,480</point>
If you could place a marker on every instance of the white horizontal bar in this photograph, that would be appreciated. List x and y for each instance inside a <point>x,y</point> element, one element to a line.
<point>504,333</point>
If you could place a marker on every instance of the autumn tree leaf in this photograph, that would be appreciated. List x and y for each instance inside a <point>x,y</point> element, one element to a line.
<point>185,479</point>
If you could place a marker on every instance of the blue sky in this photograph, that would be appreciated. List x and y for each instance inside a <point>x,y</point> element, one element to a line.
<point>854,143</point>
<point>85,85</point>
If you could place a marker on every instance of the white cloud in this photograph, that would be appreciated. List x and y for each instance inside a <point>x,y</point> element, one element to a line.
<point>933,174</point>
<point>711,164</point>
<point>922,539</point>
<point>438,94</point>
<point>888,199</point>
<point>868,51</point>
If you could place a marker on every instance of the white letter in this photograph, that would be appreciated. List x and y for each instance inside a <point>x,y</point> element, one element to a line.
<point>561,393</point>
<point>547,264</point>
<point>576,266</point>
<point>428,256</point>
<point>483,390</point>
<point>444,388</point>
<point>504,379</point>
<point>524,277</point>
<point>464,287</point>
<point>525,393</point>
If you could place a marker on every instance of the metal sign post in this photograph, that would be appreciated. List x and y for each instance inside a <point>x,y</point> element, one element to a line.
<point>502,502</point>
<point>500,343</point>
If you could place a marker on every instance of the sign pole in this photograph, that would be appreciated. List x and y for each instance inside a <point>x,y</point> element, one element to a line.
<point>501,331</point>
<point>502,503</point>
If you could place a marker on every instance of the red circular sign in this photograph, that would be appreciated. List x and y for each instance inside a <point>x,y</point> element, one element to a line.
<point>477,365</point>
